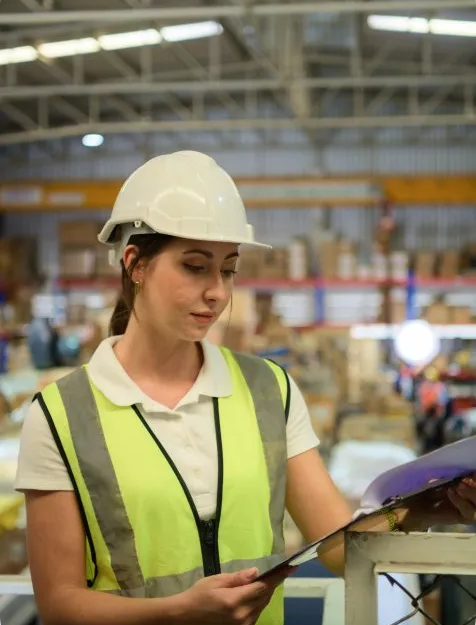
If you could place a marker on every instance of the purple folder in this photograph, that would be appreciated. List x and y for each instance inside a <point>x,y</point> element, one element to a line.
<point>445,464</point>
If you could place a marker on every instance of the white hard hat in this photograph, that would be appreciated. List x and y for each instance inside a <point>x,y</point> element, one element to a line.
<point>184,194</point>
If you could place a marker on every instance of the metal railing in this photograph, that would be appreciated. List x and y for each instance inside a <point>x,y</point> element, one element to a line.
<point>374,553</point>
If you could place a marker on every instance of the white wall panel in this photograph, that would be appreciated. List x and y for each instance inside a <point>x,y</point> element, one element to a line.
<point>250,153</point>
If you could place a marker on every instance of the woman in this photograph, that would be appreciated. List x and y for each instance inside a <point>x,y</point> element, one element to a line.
<point>159,473</point>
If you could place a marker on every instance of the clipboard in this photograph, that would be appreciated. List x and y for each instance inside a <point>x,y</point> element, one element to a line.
<point>436,488</point>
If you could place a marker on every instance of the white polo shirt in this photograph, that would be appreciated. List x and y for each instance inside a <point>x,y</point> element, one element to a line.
<point>187,431</point>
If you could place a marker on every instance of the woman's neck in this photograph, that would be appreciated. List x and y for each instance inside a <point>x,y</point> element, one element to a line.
<point>158,358</point>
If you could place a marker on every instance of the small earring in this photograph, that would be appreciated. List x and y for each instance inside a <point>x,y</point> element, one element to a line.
<point>137,286</point>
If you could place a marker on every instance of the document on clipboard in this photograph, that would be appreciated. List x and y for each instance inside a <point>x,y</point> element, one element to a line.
<point>428,476</point>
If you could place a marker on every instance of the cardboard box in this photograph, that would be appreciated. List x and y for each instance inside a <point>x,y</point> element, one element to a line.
<point>425,264</point>
<point>461,315</point>
<point>250,263</point>
<point>468,259</point>
<point>82,233</point>
<point>437,313</point>
<point>274,264</point>
<point>77,263</point>
<point>345,246</point>
<point>450,264</point>
<point>18,258</point>
<point>398,312</point>
<point>347,265</point>
<point>327,255</point>
<point>103,269</point>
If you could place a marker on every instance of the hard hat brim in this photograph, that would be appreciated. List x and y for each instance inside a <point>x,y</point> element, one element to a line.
<point>104,236</point>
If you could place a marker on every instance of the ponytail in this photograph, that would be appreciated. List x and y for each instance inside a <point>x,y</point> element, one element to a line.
<point>120,317</point>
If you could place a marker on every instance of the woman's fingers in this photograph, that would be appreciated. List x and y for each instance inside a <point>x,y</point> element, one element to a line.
<point>464,506</point>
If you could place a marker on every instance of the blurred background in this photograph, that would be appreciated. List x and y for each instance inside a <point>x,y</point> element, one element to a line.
<point>349,128</point>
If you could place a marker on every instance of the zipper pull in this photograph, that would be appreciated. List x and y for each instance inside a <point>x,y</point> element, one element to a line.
<point>209,532</point>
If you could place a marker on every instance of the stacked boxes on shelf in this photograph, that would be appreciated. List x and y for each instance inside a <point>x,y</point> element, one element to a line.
<point>80,254</point>
<point>332,257</point>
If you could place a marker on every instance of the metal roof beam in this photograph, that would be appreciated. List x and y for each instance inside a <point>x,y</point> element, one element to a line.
<point>147,126</point>
<point>226,86</point>
<point>19,117</point>
<point>219,12</point>
<point>66,108</point>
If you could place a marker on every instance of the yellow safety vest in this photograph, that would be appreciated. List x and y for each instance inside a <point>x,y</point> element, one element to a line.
<point>144,535</point>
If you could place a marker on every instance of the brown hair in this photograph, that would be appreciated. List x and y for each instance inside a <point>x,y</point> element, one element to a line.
<point>148,246</point>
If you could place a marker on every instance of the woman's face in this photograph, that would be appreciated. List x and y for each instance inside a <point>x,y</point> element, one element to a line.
<point>186,287</point>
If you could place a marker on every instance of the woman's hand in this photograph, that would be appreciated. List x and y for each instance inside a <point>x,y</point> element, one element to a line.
<point>448,507</point>
<point>231,599</point>
<point>463,499</point>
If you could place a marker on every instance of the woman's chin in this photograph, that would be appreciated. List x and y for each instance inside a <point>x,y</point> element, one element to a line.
<point>195,334</point>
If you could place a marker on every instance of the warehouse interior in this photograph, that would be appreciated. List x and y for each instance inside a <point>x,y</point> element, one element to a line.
<point>349,129</point>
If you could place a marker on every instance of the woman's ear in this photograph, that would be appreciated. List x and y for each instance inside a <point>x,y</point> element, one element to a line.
<point>128,258</point>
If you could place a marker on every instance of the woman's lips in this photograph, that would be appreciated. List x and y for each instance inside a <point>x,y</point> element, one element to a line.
<point>204,318</point>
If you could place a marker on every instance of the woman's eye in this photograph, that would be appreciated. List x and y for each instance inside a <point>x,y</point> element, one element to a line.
<point>194,268</point>
<point>229,273</point>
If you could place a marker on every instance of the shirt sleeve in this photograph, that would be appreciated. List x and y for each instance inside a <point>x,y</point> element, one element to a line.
<point>40,465</point>
<point>300,433</point>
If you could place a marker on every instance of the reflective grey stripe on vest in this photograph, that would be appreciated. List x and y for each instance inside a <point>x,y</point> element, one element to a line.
<point>91,450</point>
<point>89,441</point>
<point>269,408</point>
<point>173,584</point>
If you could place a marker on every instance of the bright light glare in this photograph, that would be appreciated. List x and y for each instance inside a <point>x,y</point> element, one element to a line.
<point>416,343</point>
<point>22,54</point>
<point>113,41</point>
<point>185,32</point>
<point>418,25</point>
<point>388,22</point>
<point>92,140</point>
<point>71,47</point>
<point>402,24</point>
<point>132,39</point>
<point>453,27</point>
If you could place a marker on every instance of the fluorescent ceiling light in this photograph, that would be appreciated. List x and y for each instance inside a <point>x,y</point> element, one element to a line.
<point>92,140</point>
<point>388,22</point>
<point>402,24</point>
<point>453,27</point>
<point>56,49</point>
<point>418,25</point>
<point>399,24</point>
<point>185,32</point>
<point>22,54</point>
<point>114,41</point>
<point>133,39</point>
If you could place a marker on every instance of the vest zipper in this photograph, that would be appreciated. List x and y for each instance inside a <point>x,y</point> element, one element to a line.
<point>210,564</point>
<point>207,530</point>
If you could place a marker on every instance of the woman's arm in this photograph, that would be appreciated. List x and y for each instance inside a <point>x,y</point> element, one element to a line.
<point>315,504</point>
<point>56,549</point>
<point>318,508</point>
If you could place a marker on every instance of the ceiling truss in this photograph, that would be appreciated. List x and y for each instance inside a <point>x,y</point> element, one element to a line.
<point>298,85</point>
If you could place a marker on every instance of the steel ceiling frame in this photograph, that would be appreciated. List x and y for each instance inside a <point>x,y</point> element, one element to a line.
<point>195,12</point>
<point>295,97</point>
<point>338,123</point>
